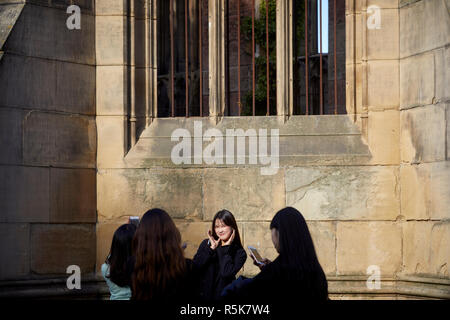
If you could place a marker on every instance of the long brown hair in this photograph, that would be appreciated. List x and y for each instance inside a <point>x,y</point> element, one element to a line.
<point>159,258</point>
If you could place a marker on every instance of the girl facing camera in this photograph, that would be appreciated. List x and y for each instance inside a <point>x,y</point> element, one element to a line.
<point>219,257</point>
<point>114,270</point>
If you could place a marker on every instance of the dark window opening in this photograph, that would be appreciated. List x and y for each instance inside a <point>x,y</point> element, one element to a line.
<point>319,60</point>
<point>182,31</point>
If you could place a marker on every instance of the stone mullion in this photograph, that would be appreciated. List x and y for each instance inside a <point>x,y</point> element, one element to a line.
<point>151,54</point>
<point>216,22</point>
<point>148,66</point>
<point>284,59</point>
<point>364,69</point>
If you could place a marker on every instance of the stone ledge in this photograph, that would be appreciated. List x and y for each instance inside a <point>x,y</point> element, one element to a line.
<point>339,287</point>
<point>92,288</point>
<point>9,13</point>
<point>302,139</point>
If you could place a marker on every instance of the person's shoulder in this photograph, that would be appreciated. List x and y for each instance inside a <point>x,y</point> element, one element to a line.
<point>241,250</point>
<point>105,269</point>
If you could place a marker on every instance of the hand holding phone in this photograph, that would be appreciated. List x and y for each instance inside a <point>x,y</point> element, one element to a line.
<point>255,255</point>
<point>134,220</point>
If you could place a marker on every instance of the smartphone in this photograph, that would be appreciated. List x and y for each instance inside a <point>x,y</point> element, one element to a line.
<point>134,220</point>
<point>255,254</point>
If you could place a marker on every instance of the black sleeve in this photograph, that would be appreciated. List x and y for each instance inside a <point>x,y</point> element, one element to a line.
<point>230,264</point>
<point>258,289</point>
<point>203,255</point>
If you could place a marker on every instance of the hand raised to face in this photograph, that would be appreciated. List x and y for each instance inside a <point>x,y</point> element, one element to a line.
<point>213,242</point>
<point>230,240</point>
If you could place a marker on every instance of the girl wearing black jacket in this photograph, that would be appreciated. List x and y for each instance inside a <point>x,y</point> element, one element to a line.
<point>295,276</point>
<point>220,257</point>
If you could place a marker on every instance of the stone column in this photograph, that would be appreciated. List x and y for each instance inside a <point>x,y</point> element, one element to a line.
<point>284,59</point>
<point>216,60</point>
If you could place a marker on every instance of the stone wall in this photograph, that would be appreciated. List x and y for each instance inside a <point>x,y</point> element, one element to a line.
<point>372,184</point>
<point>424,122</point>
<point>48,144</point>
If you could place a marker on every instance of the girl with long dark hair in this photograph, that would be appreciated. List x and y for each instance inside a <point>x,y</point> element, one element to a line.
<point>160,271</point>
<point>114,270</point>
<point>295,275</point>
<point>220,257</point>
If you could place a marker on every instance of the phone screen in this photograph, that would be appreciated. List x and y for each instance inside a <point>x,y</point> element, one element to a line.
<point>255,254</point>
<point>134,220</point>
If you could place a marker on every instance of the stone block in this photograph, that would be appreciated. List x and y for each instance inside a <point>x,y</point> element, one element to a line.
<point>416,247</point>
<point>324,238</point>
<point>192,233</point>
<point>14,250</point>
<point>110,37</point>
<point>426,249</point>
<point>24,194</point>
<point>59,140</point>
<point>383,84</point>
<point>258,235</point>
<point>111,90</point>
<point>75,88</point>
<point>362,244</point>
<point>111,141</point>
<point>73,196</point>
<point>424,26</point>
<point>131,192</point>
<point>344,193</point>
<point>440,249</point>
<point>27,82</point>
<point>442,62</point>
<point>9,14</point>
<point>439,191</point>
<point>414,185</point>
<point>245,192</point>
<point>384,137</point>
<point>75,45</point>
<point>425,189</point>
<point>86,5</point>
<point>110,7</point>
<point>52,39</point>
<point>55,247</point>
<point>383,43</point>
<point>384,4</point>
<point>448,131</point>
<point>423,134</point>
<point>11,136</point>
<point>417,81</point>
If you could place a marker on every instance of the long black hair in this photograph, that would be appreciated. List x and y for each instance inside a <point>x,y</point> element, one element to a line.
<point>297,251</point>
<point>119,255</point>
<point>229,220</point>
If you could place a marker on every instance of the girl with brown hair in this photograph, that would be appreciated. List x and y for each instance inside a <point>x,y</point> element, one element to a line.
<point>160,270</point>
